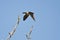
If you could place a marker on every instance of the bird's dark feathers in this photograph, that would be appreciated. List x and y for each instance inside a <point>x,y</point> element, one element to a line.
<point>27,14</point>
<point>32,15</point>
<point>25,17</point>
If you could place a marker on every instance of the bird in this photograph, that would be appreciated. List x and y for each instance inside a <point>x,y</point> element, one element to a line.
<point>27,14</point>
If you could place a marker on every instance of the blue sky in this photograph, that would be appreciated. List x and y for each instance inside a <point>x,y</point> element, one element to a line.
<point>46,12</point>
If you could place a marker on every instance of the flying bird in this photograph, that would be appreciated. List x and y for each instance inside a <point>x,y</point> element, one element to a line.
<point>27,14</point>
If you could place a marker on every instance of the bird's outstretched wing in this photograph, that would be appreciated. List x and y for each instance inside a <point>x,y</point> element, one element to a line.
<point>25,17</point>
<point>32,15</point>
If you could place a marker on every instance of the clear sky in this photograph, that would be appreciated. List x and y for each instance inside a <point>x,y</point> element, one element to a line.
<point>46,12</point>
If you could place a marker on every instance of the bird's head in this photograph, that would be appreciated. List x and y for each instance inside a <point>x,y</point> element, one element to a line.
<point>26,13</point>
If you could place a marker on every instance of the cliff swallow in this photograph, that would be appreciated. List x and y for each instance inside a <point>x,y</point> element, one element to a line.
<point>27,14</point>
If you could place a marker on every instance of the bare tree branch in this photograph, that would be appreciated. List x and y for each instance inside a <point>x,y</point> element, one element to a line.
<point>14,29</point>
<point>28,35</point>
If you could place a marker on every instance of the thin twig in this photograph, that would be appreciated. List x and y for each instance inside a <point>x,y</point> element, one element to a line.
<point>14,29</point>
<point>28,35</point>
